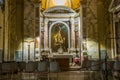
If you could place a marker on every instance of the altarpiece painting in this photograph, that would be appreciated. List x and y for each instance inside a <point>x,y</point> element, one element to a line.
<point>59,37</point>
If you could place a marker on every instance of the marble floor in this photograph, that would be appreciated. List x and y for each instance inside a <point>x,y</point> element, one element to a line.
<point>63,75</point>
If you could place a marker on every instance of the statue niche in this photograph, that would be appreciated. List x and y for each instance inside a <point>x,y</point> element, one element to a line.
<point>59,37</point>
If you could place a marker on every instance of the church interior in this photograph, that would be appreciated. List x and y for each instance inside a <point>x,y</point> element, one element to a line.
<point>72,39</point>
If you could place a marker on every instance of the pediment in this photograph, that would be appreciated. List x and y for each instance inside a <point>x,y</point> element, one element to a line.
<point>59,11</point>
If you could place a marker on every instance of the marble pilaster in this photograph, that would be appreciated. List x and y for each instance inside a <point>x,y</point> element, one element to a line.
<point>72,34</point>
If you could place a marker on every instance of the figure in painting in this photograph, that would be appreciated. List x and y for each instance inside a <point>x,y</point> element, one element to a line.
<point>59,38</point>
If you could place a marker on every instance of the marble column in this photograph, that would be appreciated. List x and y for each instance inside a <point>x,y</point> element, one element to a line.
<point>79,33</point>
<point>72,34</point>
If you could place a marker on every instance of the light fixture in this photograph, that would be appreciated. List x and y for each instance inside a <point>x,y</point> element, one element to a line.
<point>59,2</point>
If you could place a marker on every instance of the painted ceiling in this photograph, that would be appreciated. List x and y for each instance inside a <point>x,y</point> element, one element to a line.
<point>74,4</point>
